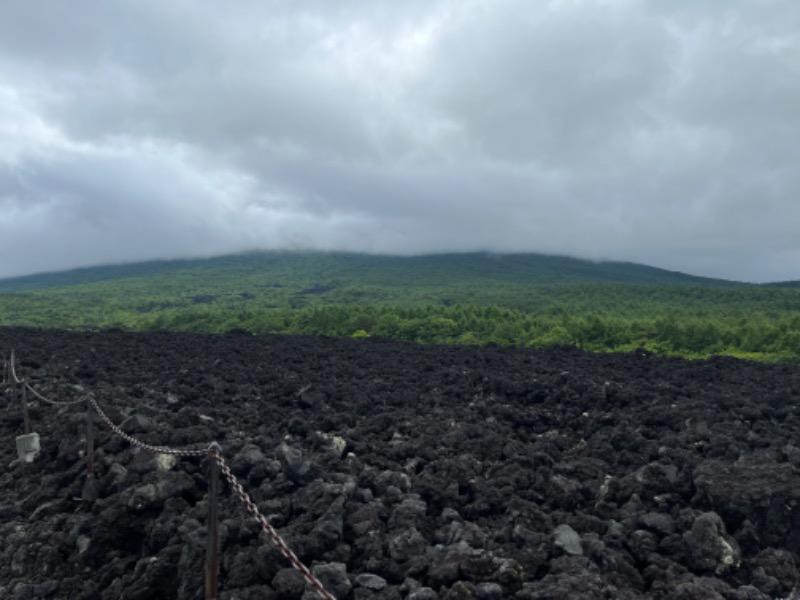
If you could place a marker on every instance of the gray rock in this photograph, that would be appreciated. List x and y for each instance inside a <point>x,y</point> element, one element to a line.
<point>309,398</point>
<point>764,492</point>
<point>173,483</point>
<point>45,589</point>
<point>423,593</point>
<point>334,577</point>
<point>409,585</point>
<point>707,588</point>
<point>367,518</point>
<point>142,462</point>
<point>468,533</point>
<point>294,466</point>
<point>373,582</point>
<point>23,591</point>
<point>656,473</point>
<point>510,574</point>
<point>445,570</point>
<point>83,543</point>
<point>478,565</point>
<point>408,513</point>
<point>143,497</point>
<point>710,548</point>
<point>661,523</point>
<point>247,458</point>
<point>566,538</point>
<point>462,590</point>
<point>569,577</point>
<point>192,549</point>
<point>391,479</point>
<point>328,530</point>
<point>114,480</point>
<point>450,515</point>
<point>642,543</point>
<point>138,424</point>
<point>406,545</point>
<point>288,583</point>
<point>490,591</point>
<point>792,454</point>
<point>780,565</point>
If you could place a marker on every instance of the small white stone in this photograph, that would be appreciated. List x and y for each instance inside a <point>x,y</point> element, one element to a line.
<point>339,444</point>
<point>83,543</point>
<point>165,462</point>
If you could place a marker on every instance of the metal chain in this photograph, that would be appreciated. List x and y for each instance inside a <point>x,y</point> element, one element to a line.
<point>213,452</point>
<point>276,539</point>
<point>53,402</point>
<point>140,444</point>
<point>13,370</point>
<point>132,440</point>
<point>34,392</point>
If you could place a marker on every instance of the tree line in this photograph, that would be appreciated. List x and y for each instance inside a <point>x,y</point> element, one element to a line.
<point>672,319</point>
<point>673,333</point>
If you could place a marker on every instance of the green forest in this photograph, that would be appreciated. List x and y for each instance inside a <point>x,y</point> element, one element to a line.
<point>520,300</point>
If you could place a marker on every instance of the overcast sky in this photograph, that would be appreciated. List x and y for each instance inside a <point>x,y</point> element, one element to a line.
<point>665,132</point>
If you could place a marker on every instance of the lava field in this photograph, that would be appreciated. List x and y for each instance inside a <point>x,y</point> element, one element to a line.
<point>400,471</point>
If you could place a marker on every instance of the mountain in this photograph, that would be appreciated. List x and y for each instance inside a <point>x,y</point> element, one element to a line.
<point>337,269</point>
<point>519,299</point>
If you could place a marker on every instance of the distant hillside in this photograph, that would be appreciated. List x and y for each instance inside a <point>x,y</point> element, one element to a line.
<point>92,275</point>
<point>336,269</point>
<point>519,299</point>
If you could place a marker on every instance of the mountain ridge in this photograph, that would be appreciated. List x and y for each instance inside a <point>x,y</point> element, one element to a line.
<point>534,268</point>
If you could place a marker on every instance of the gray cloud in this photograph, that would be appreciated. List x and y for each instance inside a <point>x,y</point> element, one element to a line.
<point>661,132</point>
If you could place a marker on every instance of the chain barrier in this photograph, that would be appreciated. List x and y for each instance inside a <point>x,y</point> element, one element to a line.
<point>276,539</point>
<point>213,453</point>
<point>138,443</point>
<point>53,402</point>
<point>10,366</point>
<point>13,370</point>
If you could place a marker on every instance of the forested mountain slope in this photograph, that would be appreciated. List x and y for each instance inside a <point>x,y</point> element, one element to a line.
<point>287,268</point>
<point>528,300</point>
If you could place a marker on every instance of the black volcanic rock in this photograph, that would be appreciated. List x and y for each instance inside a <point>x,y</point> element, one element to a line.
<point>400,471</point>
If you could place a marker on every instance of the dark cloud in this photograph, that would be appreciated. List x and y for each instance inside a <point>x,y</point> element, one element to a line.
<point>661,132</point>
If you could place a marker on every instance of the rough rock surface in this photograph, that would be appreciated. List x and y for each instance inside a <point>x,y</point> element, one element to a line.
<point>396,471</point>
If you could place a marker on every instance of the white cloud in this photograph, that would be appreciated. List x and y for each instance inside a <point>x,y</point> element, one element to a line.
<point>661,132</point>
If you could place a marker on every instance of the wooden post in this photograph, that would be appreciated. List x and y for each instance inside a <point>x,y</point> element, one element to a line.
<point>89,440</point>
<point>212,546</point>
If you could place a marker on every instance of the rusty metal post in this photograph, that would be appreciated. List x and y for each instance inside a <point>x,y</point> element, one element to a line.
<point>89,440</point>
<point>25,415</point>
<point>212,547</point>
